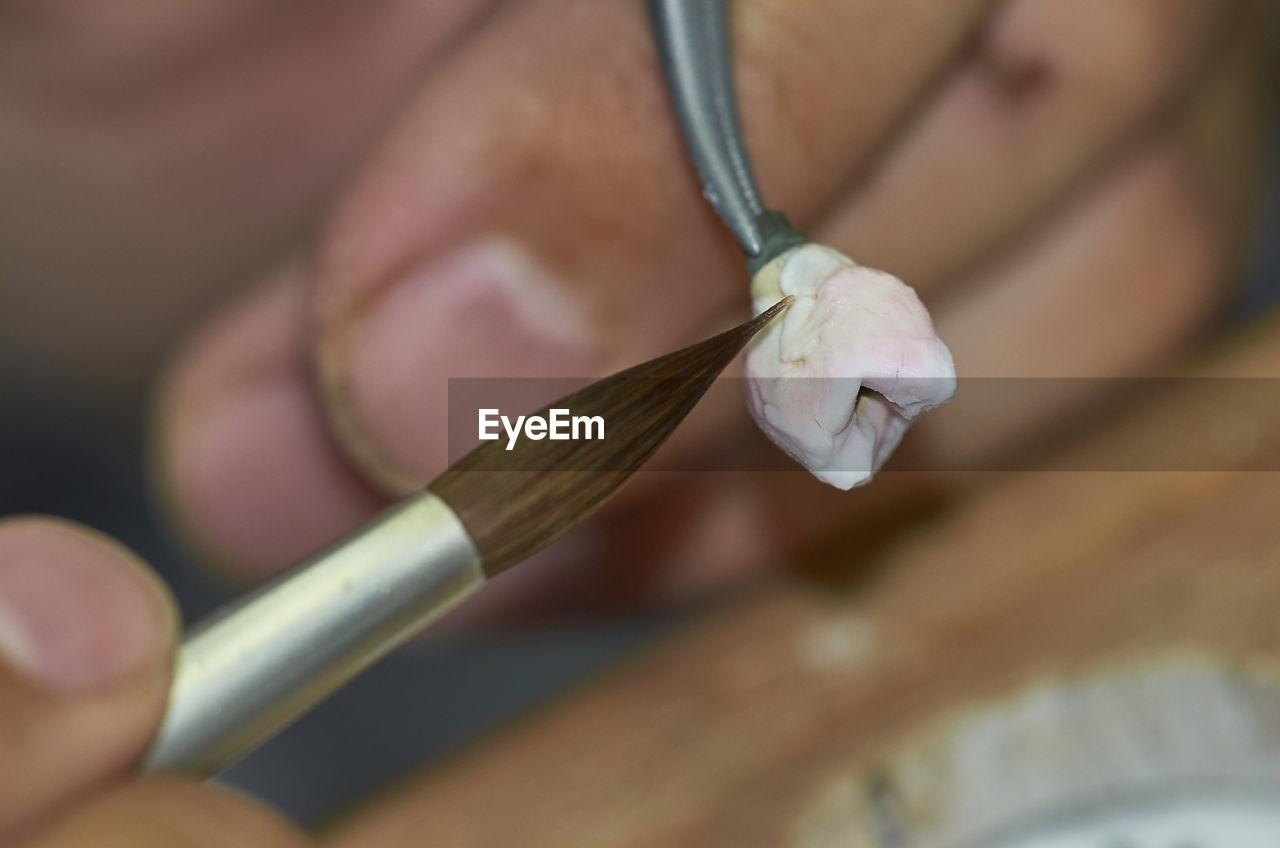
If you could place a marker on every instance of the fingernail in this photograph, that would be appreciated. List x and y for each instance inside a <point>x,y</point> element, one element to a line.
<point>487,310</point>
<point>76,613</point>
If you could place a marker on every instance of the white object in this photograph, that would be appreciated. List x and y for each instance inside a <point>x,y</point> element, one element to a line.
<point>1221,822</point>
<point>1173,750</point>
<point>836,381</point>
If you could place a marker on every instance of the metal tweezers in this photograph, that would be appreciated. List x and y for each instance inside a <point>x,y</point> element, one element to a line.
<point>693,45</point>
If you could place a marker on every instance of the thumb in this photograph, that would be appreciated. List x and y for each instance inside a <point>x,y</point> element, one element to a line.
<point>166,812</point>
<point>86,645</point>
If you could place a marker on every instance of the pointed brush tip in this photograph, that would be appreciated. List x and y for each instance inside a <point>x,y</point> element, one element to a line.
<point>750,329</point>
<point>766,317</point>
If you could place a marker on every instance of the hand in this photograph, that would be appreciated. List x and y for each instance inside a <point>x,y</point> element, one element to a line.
<point>86,646</point>
<point>1062,181</point>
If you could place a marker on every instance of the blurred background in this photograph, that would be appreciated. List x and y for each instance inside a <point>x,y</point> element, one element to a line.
<point>99,282</point>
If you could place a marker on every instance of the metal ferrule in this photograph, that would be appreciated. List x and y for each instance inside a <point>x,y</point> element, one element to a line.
<point>259,664</point>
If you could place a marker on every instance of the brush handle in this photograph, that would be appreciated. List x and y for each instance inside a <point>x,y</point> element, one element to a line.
<point>254,667</point>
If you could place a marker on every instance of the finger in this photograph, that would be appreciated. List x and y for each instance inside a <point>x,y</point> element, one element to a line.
<point>1112,295</point>
<point>1049,91</point>
<point>170,813</point>
<point>1143,271</point>
<point>243,462</point>
<point>86,640</point>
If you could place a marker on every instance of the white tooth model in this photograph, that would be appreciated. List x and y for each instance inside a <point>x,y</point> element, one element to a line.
<point>838,378</point>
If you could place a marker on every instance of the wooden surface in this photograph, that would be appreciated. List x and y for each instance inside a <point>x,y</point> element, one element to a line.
<point>738,730</point>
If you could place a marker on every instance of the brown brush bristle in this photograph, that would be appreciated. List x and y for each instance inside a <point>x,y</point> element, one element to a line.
<point>514,503</point>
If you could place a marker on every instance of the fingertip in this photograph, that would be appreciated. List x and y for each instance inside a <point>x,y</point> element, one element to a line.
<point>87,637</point>
<point>78,611</point>
<point>257,483</point>
<point>243,463</point>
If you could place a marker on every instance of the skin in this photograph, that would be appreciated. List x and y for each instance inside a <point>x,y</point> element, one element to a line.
<point>1062,211</point>
<point>82,704</point>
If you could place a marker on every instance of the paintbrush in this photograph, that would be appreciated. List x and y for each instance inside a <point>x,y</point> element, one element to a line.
<point>259,664</point>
